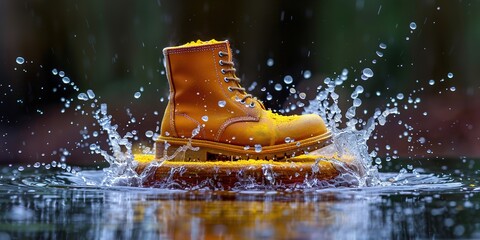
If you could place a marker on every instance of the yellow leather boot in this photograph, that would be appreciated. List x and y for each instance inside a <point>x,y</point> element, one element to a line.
<point>211,113</point>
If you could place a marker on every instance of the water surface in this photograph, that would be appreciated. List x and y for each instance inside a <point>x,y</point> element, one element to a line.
<point>53,203</point>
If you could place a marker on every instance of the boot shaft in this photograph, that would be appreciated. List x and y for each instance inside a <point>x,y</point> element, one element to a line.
<point>202,92</point>
<point>192,70</point>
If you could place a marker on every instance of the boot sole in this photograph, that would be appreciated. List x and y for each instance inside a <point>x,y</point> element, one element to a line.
<point>228,175</point>
<point>179,149</point>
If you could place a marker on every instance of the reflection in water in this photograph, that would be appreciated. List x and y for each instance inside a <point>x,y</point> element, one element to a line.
<point>441,208</point>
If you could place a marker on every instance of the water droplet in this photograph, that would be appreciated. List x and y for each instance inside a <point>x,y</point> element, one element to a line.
<point>258,148</point>
<point>61,74</point>
<point>149,134</point>
<point>380,54</point>
<point>359,89</point>
<point>413,25</point>
<point>278,86</point>
<point>400,96</point>
<point>431,82</point>
<point>90,94</point>
<point>54,71</point>
<point>425,113</point>
<point>338,82</point>
<point>66,80</point>
<point>344,74</point>
<point>287,79</point>
<point>270,62</point>
<point>20,60</point>
<point>252,86</point>
<point>367,72</point>
<point>246,147</point>
<point>383,46</point>
<point>354,95</point>
<point>288,139</point>
<point>307,74</point>
<point>387,147</point>
<point>378,161</point>
<point>302,95</point>
<point>195,131</point>
<point>82,96</point>
<point>468,204</point>
<point>137,95</point>
<point>93,146</point>
<point>453,89</point>
<point>205,118</point>
<point>292,90</point>
<point>357,102</point>
<point>450,75</point>
<point>269,97</point>
<point>222,103</point>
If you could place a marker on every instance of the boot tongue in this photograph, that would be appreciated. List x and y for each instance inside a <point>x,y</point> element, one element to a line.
<point>229,50</point>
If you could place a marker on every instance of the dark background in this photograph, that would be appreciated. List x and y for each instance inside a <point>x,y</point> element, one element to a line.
<point>114,48</point>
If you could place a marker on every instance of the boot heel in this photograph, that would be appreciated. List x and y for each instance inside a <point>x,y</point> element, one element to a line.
<point>164,149</point>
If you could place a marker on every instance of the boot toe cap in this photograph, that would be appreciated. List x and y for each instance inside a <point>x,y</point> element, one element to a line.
<point>301,127</point>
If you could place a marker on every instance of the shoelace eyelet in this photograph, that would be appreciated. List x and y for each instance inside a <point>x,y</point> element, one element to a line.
<point>220,62</point>
<point>220,53</point>
<point>229,89</point>
<point>223,71</point>
<point>226,79</point>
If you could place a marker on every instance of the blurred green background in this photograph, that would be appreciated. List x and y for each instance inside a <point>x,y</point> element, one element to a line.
<point>115,49</point>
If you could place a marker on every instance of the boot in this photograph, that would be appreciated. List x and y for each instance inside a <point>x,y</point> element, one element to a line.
<point>209,116</point>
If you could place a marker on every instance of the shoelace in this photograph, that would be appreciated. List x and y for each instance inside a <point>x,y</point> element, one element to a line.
<point>232,70</point>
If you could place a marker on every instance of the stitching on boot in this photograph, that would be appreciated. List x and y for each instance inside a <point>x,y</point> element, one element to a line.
<point>172,119</point>
<point>194,49</point>
<point>202,129</point>
<point>230,121</point>
<point>171,102</point>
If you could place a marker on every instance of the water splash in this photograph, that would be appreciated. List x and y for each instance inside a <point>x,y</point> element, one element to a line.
<point>350,132</point>
<point>122,162</point>
<point>349,139</point>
